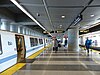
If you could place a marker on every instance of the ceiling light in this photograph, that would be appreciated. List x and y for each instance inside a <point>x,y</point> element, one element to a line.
<point>37,14</point>
<point>27,13</point>
<point>91,15</point>
<point>60,25</point>
<point>62,16</point>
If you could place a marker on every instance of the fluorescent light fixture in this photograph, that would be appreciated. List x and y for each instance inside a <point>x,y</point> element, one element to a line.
<point>91,15</point>
<point>27,13</point>
<point>62,16</point>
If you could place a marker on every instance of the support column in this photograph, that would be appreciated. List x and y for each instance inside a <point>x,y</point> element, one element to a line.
<point>81,40</point>
<point>73,35</point>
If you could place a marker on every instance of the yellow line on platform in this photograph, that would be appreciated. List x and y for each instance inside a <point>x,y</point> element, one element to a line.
<point>13,69</point>
<point>17,66</point>
<point>96,51</point>
<point>91,49</point>
<point>37,53</point>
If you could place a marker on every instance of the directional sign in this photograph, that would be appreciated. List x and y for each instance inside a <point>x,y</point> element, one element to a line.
<point>78,19</point>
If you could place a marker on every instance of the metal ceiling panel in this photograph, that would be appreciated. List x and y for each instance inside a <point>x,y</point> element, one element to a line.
<point>96,2</point>
<point>87,19</point>
<point>56,13</point>
<point>43,18</point>
<point>34,7</point>
<point>66,2</point>
<point>46,24</point>
<point>70,14</point>
<point>31,1</point>
<point>37,6</point>
<point>34,10</point>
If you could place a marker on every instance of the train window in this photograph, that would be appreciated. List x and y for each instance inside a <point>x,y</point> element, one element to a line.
<point>33,41</point>
<point>46,41</point>
<point>40,41</point>
<point>0,46</point>
<point>36,41</point>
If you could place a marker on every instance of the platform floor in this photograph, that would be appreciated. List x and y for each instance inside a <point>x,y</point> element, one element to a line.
<point>63,62</point>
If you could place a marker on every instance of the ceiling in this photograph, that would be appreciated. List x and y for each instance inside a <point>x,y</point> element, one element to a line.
<point>51,19</point>
<point>48,12</point>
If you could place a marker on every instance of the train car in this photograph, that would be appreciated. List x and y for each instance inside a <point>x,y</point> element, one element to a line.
<point>16,47</point>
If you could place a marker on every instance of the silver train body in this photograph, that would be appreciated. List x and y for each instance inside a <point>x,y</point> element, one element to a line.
<point>15,47</point>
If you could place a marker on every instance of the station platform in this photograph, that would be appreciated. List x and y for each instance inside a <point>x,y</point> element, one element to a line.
<point>63,62</point>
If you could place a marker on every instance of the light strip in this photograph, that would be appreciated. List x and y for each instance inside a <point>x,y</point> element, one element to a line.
<point>27,13</point>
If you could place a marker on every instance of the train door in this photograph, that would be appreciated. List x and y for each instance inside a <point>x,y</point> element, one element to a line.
<point>20,44</point>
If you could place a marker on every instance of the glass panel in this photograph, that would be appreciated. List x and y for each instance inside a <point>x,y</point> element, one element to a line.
<point>33,41</point>
<point>40,41</point>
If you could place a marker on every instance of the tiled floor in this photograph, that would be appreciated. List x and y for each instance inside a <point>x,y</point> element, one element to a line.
<point>63,62</point>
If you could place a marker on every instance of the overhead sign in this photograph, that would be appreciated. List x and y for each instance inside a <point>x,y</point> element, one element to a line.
<point>78,19</point>
<point>58,31</point>
<point>83,31</point>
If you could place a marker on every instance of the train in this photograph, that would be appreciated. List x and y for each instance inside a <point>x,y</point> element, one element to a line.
<point>14,47</point>
<point>93,36</point>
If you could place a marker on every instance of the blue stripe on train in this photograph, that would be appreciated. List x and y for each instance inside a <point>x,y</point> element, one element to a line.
<point>15,55</point>
<point>8,58</point>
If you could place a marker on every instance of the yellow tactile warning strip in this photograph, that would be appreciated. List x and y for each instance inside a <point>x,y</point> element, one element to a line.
<point>96,61</point>
<point>16,67</point>
<point>91,49</point>
<point>13,69</point>
<point>37,53</point>
<point>96,51</point>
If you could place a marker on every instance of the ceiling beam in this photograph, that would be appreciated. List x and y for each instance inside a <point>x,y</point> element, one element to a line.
<point>47,11</point>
